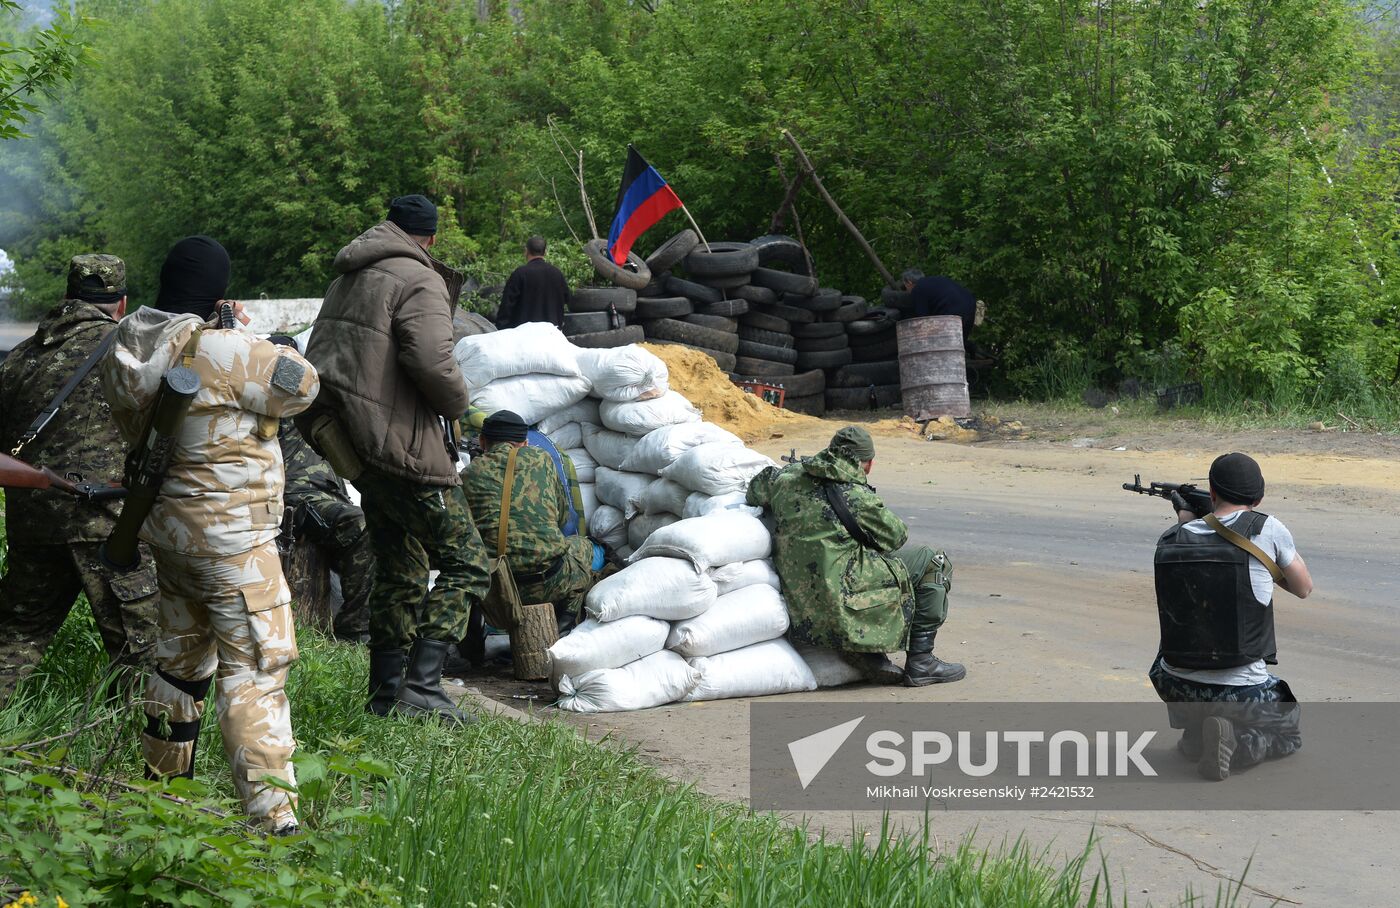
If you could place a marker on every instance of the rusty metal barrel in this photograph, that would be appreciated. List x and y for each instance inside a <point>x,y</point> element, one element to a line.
<point>932,367</point>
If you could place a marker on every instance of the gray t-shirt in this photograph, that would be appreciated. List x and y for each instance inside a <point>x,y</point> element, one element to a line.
<point>1277,543</point>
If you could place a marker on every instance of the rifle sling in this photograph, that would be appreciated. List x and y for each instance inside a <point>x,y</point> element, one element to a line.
<point>1240,542</point>
<point>837,499</point>
<point>48,413</point>
<point>506,489</point>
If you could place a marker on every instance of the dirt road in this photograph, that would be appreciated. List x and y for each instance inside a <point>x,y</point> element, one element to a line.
<point>1053,601</point>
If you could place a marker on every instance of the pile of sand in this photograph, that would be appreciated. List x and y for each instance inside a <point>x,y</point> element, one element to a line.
<point>704,384</point>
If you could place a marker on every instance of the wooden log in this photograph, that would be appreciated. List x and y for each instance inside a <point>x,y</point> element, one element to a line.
<point>776,224</point>
<point>309,576</point>
<point>531,639</point>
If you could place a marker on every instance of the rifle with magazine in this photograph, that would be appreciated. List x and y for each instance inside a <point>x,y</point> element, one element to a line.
<point>1184,496</point>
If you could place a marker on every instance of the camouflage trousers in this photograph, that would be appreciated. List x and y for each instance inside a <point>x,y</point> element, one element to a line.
<point>39,589</point>
<point>229,617</point>
<point>567,586</point>
<point>1265,716</point>
<point>338,528</point>
<point>931,572</point>
<point>413,529</point>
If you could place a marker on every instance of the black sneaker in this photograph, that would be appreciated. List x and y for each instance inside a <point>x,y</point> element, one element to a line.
<point>1217,748</point>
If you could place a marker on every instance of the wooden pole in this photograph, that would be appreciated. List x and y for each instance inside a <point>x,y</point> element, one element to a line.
<point>796,219</point>
<point>704,242</point>
<point>806,165</point>
<point>776,224</point>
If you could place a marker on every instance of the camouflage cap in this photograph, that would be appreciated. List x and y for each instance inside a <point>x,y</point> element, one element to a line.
<point>853,443</point>
<point>95,276</point>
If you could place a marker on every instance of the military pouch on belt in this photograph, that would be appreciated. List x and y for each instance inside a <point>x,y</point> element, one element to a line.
<point>334,445</point>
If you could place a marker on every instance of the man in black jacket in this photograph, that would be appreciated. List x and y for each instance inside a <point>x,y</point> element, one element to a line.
<point>535,292</point>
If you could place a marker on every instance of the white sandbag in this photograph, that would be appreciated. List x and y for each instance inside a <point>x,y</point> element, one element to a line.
<point>664,497</point>
<point>668,588</point>
<point>585,412</point>
<point>569,435</point>
<point>717,468</point>
<point>621,490</point>
<point>640,528</point>
<point>536,347</point>
<point>698,504</point>
<point>624,373</point>
<point>659,678</point>
<point>609,449</point>
<point>612,644</point>
<point>585,467</point>
<point>827,666</point>
<point>625,552</point>
<point>772,667</point>
<point>608,526</point>
<point>589,493</point>
<point>532,397</point>
<point>742,618</point>
<point>719,538</point>
<point>659,448</point>
<point>731,577</point>
<point>638,417</point>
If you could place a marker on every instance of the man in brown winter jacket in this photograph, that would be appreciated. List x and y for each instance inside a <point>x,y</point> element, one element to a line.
<point>382,345</point>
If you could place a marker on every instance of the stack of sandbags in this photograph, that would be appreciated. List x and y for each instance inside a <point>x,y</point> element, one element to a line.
<point>532,370</point>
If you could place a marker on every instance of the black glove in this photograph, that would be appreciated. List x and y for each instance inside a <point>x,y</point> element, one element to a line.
<point>1179,503</point>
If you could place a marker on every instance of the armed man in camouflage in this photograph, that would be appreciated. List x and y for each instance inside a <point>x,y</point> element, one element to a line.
<point>54,539</point>
<point>850,581</point>
<point>225,606</point>
<point>547,565</point>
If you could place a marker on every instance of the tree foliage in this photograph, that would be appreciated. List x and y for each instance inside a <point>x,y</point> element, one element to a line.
<point>39,62</point>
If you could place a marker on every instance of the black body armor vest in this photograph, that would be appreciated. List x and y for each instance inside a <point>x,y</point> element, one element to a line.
<point>1205,603</point>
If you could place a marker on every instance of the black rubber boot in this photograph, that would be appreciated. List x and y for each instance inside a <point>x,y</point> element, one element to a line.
<point>875,668</point>
<point>922,667</point>
<point>421,694</point>
<point>385,677</point>
<point>1217,749</point>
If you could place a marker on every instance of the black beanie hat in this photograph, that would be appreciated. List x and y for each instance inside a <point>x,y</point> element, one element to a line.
<point>503,425</point>
<point>194,277</point>
<point>415,214</point>
<point>1236,478</point>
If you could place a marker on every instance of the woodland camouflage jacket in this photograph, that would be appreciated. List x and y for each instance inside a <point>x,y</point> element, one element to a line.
<point>538,506</point>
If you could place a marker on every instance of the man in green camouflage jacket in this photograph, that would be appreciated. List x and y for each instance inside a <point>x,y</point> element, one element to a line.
<point>849,580</point>
<point>54,539</point>
<point>548,566</point>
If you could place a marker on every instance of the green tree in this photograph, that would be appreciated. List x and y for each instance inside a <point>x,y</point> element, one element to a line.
<point>40,62</point>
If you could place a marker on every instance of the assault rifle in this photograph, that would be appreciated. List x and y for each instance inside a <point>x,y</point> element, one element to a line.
<point>16,474</point>
<point>1184,496</point>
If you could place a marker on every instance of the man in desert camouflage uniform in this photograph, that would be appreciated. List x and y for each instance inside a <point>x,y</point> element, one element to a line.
<point>225,606</point>
<point>548,566</point>
<point>848,583</point>
<point>54,539</point>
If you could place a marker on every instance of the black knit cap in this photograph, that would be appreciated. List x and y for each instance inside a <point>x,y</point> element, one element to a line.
<point>415,214</point>
<point>1236,478</point>
<point>503,425</point>
<point>194,277</point>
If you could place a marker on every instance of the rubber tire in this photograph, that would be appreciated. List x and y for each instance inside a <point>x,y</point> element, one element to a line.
<point>801,384</point>
<point>888,313</point>
<point>780,249</point>
<point>896,299</point>
<point>598,299</point>
<point>760,336</point>
<point>790,313</point>
<point>763,368</point>
<point>852,308</point>
<point>824,359</point>
<point>622,277</point>
<point>875,353</point>
<point>765,322</point>
<point>721,260</point>
<point>654,290</point>
<point>727,284</point>
<point>669,254</point>
<point>620,337</point>
<point>754,294</point>
<point>785,281</point>
<point>725,361</point>
<point>871,340</point>
<point>697,293</point>
<point>824,300</point>
<point>726,308</point>
<point>860,375</point>
<point>886,396</point>
<point>868,327</point>
<point>819,329</point>
<point>663,307</point>
<point>755,350</point>
<point>718,322</point>
<point>692,335</point>
<point>811,404</point>
<point>586,323</point>
<point>818,344</point>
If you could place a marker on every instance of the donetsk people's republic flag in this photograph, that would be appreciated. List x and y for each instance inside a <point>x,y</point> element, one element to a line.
<point>642,200</point>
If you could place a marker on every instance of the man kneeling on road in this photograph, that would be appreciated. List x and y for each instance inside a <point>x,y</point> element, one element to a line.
<point>848,583</point>
<point>1215,585</point>
<point>547,565</point>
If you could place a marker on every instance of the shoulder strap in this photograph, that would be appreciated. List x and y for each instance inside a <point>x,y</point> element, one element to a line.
<point>191,348</point>
<point>506,489</point>
<point>1241,542</point>
<point>48,413</point>
<point>837,499</point>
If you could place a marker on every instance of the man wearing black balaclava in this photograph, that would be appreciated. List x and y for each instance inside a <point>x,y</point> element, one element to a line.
<point>1215,580</point>
<point>224,603</point>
